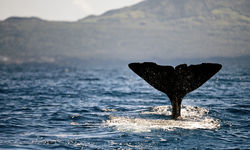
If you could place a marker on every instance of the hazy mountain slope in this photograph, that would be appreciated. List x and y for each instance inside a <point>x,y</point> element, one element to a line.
<point>150,30</point>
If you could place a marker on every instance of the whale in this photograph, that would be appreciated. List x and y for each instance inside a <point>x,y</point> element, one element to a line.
<point>175,82</point>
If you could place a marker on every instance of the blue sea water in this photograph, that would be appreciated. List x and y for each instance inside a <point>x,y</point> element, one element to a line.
<point>51,106</point>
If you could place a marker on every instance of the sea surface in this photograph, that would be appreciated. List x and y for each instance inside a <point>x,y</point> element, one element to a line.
<point>53,106</point>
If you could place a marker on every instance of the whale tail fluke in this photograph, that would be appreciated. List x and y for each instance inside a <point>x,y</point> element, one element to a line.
<point>175,82</point>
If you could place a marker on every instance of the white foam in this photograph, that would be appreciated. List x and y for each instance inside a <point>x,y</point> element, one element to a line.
<point>192,118</point>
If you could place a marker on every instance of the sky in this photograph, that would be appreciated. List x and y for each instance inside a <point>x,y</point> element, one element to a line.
<point>60,10</point>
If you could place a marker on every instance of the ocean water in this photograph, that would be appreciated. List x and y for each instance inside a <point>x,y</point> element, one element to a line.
<point>50,106</point>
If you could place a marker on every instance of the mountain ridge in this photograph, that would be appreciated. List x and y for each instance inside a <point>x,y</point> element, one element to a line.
<point>152,29</point>
<point>174,9</point>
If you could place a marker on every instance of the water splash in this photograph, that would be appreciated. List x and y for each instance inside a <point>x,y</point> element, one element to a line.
<point>192,118</point>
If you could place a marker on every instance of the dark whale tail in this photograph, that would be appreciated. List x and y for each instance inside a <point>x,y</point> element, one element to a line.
<point>175,82</point>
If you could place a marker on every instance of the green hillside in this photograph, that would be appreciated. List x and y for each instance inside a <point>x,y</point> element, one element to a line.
<point>150,30</point>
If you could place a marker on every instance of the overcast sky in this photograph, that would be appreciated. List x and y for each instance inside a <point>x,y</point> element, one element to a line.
<point>68,10</point>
